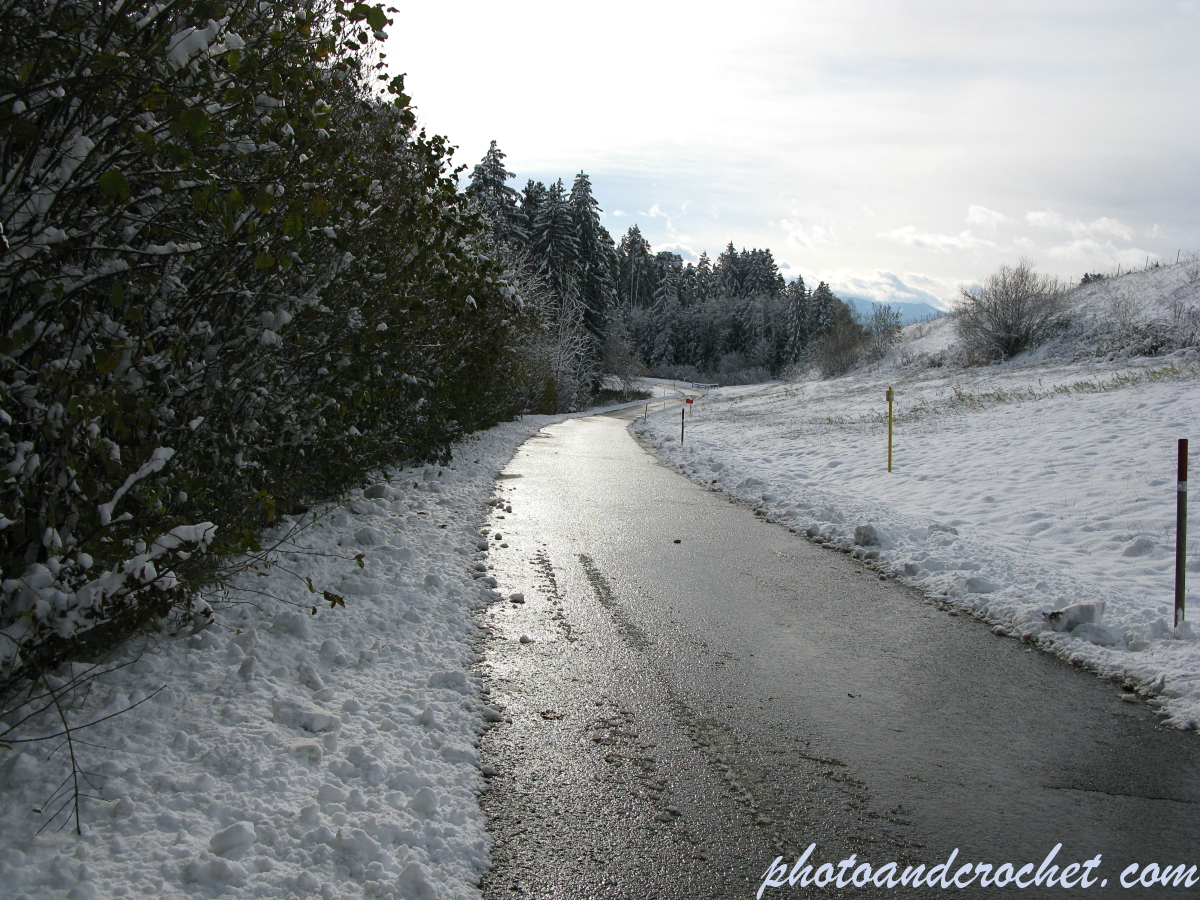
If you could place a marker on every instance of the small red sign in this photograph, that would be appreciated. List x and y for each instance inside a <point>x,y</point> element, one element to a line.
<point>688,400</point>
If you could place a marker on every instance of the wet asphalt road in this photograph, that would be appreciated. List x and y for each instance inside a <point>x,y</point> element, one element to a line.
<point>704,692</point>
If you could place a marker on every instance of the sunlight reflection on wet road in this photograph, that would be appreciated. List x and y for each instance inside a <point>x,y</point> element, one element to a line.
<point>702,692</point>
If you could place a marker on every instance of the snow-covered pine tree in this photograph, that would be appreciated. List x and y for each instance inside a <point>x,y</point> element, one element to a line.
<point>496,200</point>
<point>596,266</point>
<point>760,274</point>
<point>531,202</point>
<point>795,320</point>
<point>822,310</point>
<point>728,272</point>
<point>635,276</point>
<point>704,278</point>
<point>665,311</point>
<point>555,244</point>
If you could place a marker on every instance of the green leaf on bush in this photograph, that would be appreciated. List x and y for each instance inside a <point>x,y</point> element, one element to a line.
<point>113,184</point>
<point>180,156</point>
<point>107,361</point>
<point>264,261</point>
<point>193,120</point>
<point>116,296</point>
<point>294,224</point>
<point>334,599</point>
<point>145,141</point>
<point>377,18</point>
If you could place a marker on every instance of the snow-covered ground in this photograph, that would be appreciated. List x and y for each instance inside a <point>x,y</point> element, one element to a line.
<point>1016,489</point>
<point>281,753</point>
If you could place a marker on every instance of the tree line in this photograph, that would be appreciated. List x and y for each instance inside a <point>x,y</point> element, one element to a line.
<point>735,317</point>
<point>612,308</point>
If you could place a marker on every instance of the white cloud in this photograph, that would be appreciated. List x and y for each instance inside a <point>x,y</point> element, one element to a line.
<point>989,218</point>
<point>908,236</point>
<point>1093,253</point>
<point>1103,226</point>
<point>883,286</point>
<point>807,236</point>
<point>688,254</point>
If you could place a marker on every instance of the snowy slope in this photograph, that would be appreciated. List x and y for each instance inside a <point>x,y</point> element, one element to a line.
<point>278,753</point>
<point>1136,314</point>
<point>1016,489</point>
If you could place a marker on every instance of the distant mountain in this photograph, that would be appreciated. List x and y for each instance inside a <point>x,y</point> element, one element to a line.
<point>909,312</point>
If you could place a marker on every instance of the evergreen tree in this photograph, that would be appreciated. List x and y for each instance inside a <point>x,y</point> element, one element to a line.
<point>759,274</point>
<point>635,281</point>
<point>555,246</point>
<point>531,202</point>
<point>704,278</point>
<point>668,269</point>
<point>822,310</point>
<point>666,338</point>
<point>795,321</point>
<point>687,285</point>
<point>729,273</point>
<point>496,200</point>
<point>596,264</point>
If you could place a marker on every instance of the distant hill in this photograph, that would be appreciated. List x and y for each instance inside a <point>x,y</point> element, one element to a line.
<point>909,312</point>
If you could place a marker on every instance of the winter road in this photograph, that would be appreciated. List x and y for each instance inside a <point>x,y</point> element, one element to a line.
<point>704,692</point>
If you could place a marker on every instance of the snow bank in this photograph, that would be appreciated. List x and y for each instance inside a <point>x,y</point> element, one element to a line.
<point>288,753</point>
<point>1016,491</point>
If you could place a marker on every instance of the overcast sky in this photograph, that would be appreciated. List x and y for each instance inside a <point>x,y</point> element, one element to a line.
<point>893,149</point>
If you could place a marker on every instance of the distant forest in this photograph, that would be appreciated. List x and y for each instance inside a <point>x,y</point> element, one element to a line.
<point>734,316</point>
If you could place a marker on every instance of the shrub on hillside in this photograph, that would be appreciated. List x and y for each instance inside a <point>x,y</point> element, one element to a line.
<point>882,331</point>
<point>840,346</point>
<point>1014,310</point>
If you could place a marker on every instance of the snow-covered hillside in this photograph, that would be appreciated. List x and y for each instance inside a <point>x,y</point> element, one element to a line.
<point>1016,490</point>
<point>1137,314</point>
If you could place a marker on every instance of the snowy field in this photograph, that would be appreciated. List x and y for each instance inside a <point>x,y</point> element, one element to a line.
<point>281,753</point>
<point>1016,489</point>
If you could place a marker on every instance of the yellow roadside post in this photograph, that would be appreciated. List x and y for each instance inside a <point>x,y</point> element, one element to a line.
<point>889,398</point>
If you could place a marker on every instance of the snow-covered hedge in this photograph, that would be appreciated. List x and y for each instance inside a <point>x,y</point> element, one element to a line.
<point>233,280</point>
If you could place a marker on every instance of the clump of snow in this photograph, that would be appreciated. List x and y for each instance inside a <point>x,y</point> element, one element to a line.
<point>1045,484</point>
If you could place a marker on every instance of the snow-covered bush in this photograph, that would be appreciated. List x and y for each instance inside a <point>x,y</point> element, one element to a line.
<point>1014,310</point>
<point>233,280</point>
<point>841,346</point>
<point>883,331</point>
